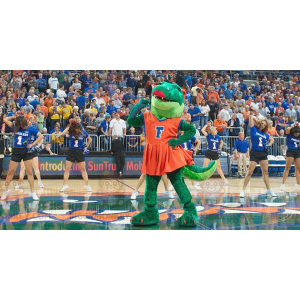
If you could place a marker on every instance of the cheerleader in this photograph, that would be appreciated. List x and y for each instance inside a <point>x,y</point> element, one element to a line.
<point>76,152</point>
<point>35,165</point>
<point>293,153</point>
<point>23,133</point>
<point>260,140</point>
<point>188,146</point>
<point>214,145</point>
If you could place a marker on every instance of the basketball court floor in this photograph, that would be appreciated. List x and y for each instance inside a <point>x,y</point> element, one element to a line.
<point>109,206</point>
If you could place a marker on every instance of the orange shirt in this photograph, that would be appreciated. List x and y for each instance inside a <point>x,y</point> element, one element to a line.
<point>214,96</point>
<point>272,131</point>
<point>48,103</point>
<point>106,99</point>
<point>27,116</point>
<point>218,123</point>
<point>45,110</point>
<point>248,102</point>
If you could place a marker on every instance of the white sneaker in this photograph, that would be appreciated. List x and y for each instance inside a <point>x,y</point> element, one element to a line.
<point>169,194</point>
<point>4,195</point>
<point>63,188</point>
<point>196,187</point>
<point>40,184</point>
<point>171,187</point>
<point>242,194</point>
<point>88,188</point>
<point>271,193</point>
<point>226,182</point>
<point>19,185</point>
<point>34,196</point>
<point>134,195</point>
<point>282,187</point>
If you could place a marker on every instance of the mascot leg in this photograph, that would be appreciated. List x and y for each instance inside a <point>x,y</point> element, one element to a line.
<point>150,215</point>
<point>189,217</point>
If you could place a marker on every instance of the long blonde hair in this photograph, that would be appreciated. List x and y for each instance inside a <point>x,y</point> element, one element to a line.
<point>259,122</point>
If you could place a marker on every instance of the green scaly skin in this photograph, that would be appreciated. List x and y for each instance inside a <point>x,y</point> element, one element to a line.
<point>171,106</point>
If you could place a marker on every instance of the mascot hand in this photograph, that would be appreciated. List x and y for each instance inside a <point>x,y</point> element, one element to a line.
<point>144,102</point>
<point>173,142</point>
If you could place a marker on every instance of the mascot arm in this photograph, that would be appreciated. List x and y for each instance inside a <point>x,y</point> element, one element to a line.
<point>134,118</point>
<point>189,132</point>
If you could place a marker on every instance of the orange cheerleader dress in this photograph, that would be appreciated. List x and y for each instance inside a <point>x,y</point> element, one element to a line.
<point>159,158</point>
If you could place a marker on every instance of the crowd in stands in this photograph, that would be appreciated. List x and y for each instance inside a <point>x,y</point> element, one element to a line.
<point>101,100</point>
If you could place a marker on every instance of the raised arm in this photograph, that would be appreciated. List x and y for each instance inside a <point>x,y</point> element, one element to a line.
<point>8,121</point>
<point>134,118</point>
<point>203,130</point>
<point>66,131</point>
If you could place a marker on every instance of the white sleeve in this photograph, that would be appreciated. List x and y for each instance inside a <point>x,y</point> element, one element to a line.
<point>124,124</point>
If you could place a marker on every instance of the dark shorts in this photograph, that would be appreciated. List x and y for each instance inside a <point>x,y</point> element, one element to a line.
<point>75,155</point>
<point>293,153</point>
<point>34,154</point>
<point>258,155</point>
<point>19,154</point>
<point>213,155</point>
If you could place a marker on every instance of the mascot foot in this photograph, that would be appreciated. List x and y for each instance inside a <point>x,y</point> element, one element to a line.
<point>146,218</point>
<point>189,217</point>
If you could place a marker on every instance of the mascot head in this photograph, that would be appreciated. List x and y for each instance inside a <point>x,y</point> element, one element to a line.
<point>167,101</point>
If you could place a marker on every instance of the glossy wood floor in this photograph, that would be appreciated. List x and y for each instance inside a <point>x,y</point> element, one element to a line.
<point>126,186</point>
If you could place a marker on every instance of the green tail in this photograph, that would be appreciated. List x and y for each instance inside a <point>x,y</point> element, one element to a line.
<point>196,173</point>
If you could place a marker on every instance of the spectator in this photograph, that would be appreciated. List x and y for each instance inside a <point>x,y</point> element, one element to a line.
<point>118,153</point>
<point>220,125</point>
<point>61,94</point>
<point>234,125</point>
<point>28,107</point>
<point>241,152</point>
<point>110,108</point>
<point>117,127</point>
<point>53,82</point>
<point>104,132</point>
<point>132,141</point>
<point>80,101</point>
<point>55,113</point>
<point>186,116</point>
<point>57,140</point>
<point>61,76</point>
<point>280,123</point>
<point>66,111</point>
<point>47,149</point>
<point>205,109</point>
<point>85,118</point>
<point>290,112</point>
<point>195,113</point>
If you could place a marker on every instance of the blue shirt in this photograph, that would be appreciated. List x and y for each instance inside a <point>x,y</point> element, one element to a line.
<point>241,146</point>
<point>110,109</point>
<point>259,139</point>
<point>193,112</point>
<point>21,101</point>
<point>77,143</point>
<point>104,126</point>
<point>278,127</point>
<point>292,142</point>
<point>80,101</point>
<point>213,143</point>
<point>188,144</point>
<point>188,79</point>
<point>23,136</point>
<point>34,103</point>
<point>271,106</point>
<point>228,94</point>
<point>242,87</point>
<point>41,83</point>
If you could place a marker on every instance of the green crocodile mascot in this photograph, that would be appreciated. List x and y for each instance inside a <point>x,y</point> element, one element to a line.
<point>164,155</point>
